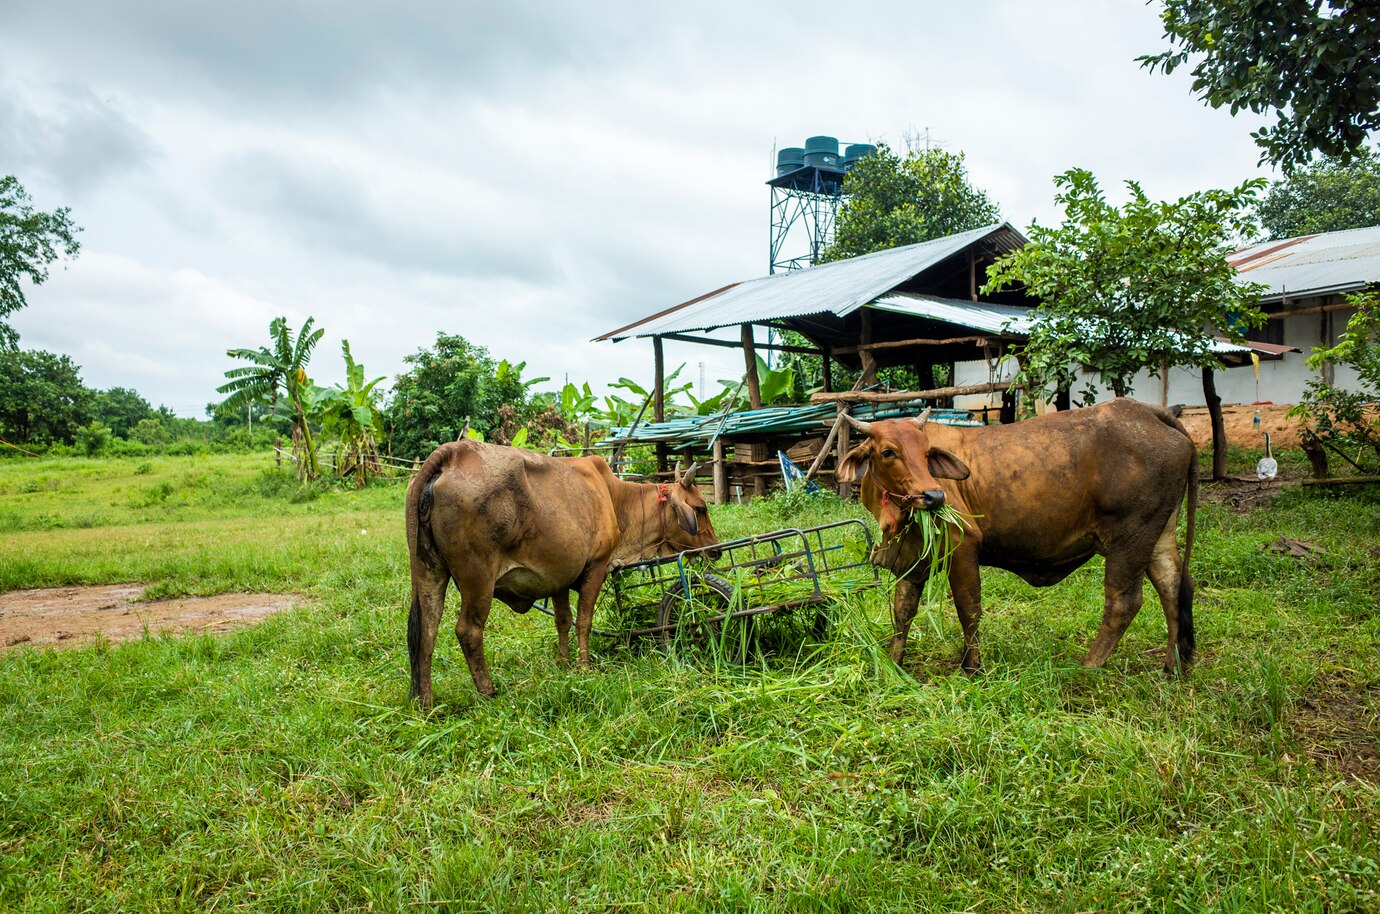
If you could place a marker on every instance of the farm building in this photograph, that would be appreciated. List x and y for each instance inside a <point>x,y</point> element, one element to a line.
<point>915,306</point>
<point>918,306</point>
<point>1306,282</point>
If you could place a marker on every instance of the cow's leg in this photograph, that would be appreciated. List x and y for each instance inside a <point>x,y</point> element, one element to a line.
<point>965,581</point>
<point>1175,588</point>
<point>475,601</point>
<point>1123,586</point>
<point>423,621</point>
<point>560,603</point>
<point>904,604</point>
<point>584,609</point>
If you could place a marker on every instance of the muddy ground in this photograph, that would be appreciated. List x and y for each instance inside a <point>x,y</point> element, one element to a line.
<point>75,616</point>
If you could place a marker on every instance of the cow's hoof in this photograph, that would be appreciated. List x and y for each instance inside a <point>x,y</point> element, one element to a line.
<point>970,663</point>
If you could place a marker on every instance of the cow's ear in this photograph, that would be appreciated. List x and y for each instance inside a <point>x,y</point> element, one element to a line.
<point>944,465</point>
<point>685,516</point>
<point>856,463</point>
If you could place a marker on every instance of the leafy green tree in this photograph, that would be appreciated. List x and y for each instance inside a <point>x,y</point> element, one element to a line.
<point>280,370</point>
<point>893,201</point>
<point>29,243</point>
<point>351,413</point>
<point>448,385</point>
<point>121,409</point>
<point>42,398</point>
<point>93,439</point>
<point>1140,287</point>
<point>1327,196</point>
<point>1345,419</point>
<point>1315,63</point>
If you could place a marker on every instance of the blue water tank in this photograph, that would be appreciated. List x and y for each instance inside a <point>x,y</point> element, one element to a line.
<point>822,151</point>
<point>789,159</point>
<point>856,151</point>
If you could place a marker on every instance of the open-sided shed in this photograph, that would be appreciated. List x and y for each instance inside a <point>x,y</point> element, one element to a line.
<point>916,306</point>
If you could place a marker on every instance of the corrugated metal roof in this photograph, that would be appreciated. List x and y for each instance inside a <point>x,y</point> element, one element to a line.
<point>977,315</point>
<point>1312,264</point>
<point>839,288</point>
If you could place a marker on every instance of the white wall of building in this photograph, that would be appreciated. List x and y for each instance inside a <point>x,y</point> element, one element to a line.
<point>1281,380</point>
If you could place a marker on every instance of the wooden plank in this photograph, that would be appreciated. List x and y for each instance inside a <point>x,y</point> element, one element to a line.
<point>844,489</point>
<point>952,341</point>
<point>729,344</point>
<point>1340,480</point>
<point>824,449</point>
<point>720,473</point>
<point>750,361</point>
<point>869,396</point>
<point>869,361</point>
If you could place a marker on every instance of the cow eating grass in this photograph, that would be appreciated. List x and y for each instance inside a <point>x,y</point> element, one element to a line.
<point>1039,498</point>
<point>520,526</point>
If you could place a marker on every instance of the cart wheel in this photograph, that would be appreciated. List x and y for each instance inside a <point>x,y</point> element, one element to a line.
<point>709,595</point>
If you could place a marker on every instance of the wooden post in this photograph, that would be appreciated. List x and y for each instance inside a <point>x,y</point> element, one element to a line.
<point>659,380</point>
<point>827,363</point>
<point>844,489</point>
<point>720,474</point>
<point>972,275</point>
<point>869,361</point>
<point>750,358</point>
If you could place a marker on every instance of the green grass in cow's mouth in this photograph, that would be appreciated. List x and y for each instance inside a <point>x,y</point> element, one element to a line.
<point>941,532</point>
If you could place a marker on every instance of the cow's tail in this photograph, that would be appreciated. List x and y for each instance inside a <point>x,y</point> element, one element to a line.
<point>1186,638</point>
<point>423,550</point>
<point>1185,601</point>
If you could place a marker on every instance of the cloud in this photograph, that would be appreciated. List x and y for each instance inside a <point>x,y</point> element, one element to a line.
<point>69,136</point>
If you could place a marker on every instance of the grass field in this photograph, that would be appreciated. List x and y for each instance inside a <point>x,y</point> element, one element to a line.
<point>282,768</point>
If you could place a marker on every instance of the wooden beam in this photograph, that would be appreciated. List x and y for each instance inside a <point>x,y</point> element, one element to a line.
<point>1341,480</point>
<point>659,381</point>
<point>901,344</point>
<point>729,344</point>
<point>750,360</point>
<point>824,449</point>
<point>844,489</point>
<point>869,361</point>
<point>720,473</point>
<point>826,361</point>
<point>868,396</point>
<point>1302,312</point>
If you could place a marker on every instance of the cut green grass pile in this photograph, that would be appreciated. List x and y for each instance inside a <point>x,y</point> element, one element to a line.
<point>281,767</point>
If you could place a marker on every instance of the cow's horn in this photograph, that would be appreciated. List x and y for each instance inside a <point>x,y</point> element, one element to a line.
<point>921,419</point>
<point>688,478</point>
<point>864,427</point>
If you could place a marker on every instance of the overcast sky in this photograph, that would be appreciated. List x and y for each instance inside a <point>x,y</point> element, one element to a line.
<point>528,176</point>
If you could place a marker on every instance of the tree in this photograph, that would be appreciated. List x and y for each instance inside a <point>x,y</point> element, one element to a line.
<point>1328,196</point>
<point>282,369</point>
<point>1141,287</point>
<point>1316,63</point>
<point>1346,420</point>
<point>447,386</point>
<point>121,409</point>
<point>42,398</point>
<point>893,201</point>
<point>29,242</point>
<point>351,413</point>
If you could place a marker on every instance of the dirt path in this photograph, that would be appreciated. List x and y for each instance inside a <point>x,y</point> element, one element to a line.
<point>74,616</point>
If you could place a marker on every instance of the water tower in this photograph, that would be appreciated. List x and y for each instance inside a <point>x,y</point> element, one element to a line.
<point>806,192</point>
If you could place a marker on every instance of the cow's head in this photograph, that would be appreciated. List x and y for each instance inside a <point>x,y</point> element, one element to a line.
<point>904,466</point>
<point>685,522</point>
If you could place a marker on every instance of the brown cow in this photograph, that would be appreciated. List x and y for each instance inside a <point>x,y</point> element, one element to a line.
<point>509,523</point>
<point>1040,497</point>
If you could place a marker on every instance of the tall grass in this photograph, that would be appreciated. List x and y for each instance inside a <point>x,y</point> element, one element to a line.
<point>281,767</point>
